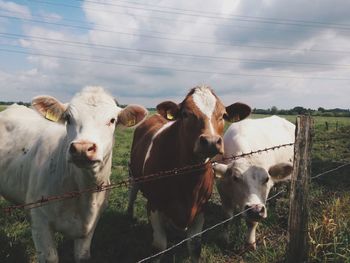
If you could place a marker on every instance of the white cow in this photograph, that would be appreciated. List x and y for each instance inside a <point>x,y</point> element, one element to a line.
<point>245,183</point>
<point>42,158</point>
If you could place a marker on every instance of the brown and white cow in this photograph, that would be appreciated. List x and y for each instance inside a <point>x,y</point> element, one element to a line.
<point>245,183</point>
<point>180,135</point>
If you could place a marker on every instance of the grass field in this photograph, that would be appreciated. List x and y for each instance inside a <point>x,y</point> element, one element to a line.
<point>118,239</point>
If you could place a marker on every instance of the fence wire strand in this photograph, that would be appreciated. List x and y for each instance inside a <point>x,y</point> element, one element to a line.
<point>329,171</point>
<point>204,231</point>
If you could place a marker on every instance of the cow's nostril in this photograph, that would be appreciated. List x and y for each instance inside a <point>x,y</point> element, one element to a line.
<point>203,140</point>
<point>92,148</point>
<point>247,207</point>
<point>219,141</point>
<point>72,148</point>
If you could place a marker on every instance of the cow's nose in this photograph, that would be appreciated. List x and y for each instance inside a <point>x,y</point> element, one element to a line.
<point>211,143</point>
<point>86,150</point>
<point>255,212</point>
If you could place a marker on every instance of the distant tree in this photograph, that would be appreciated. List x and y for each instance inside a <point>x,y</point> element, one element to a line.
<point>320,109</point>
<point>274,110</point>
<point>299,110</point>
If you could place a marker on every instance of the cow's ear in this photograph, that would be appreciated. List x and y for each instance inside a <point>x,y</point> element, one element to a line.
<point>220,169</point>
<point>132,115</point>
<point>50,108</point>
<point>280,171</point>
<point>169,110</point>
<point>237,111</point>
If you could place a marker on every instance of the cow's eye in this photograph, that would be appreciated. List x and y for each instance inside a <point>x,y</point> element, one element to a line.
<point>266,180</point>
<point>185,114</point>
<point>235,177</point>
<point>68,118</point>
<point>111,122</point>
<point>222,117</point>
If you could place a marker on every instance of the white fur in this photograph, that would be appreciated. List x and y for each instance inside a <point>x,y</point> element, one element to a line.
<point>165,126</point>
<point>205,102</point>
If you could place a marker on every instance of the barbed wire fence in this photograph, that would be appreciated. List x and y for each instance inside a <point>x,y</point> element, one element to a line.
<point>46,200</point>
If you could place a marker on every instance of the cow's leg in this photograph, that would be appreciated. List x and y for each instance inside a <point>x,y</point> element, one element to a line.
<point>82,247</point>
<point>251,234</point>
<point>226,203</point>
<point>159,235</point>
<point>43,239</point>
<point>194,245</point>
<point>133,190</point>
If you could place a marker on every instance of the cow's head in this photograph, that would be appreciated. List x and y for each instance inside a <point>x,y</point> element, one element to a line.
<point>201,117</point>
<point>90,119</point>
<point>249,185</point>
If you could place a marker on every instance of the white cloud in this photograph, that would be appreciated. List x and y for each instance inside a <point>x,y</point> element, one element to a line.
<point>51,17</point>
<point>17,9</point>
<point>251,46</point>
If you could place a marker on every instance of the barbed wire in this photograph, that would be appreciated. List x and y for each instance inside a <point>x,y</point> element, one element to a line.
<point>155,176</point>
<point>99,188</point>
<point>235,157</point>
<point>143,179</point>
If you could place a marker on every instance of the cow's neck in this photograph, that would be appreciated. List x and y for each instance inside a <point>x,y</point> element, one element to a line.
<point>91,202</point>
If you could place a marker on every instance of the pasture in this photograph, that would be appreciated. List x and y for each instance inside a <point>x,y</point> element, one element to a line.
<point>119,239</point>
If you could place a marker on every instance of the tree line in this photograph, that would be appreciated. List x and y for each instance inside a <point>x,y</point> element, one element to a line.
<point>337,112</point>
<point>6,103</point>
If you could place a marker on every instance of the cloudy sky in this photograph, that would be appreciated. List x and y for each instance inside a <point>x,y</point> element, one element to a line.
<point>263,52</point>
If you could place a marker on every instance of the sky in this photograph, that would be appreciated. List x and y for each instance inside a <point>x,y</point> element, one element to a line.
<point>262,52</point>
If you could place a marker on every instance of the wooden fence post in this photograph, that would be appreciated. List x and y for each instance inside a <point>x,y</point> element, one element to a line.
<point>298,248</point>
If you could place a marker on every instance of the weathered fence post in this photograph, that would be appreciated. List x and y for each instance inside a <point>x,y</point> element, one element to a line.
<point>297,249</point>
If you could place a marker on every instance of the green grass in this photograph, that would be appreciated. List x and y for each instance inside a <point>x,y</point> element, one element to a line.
<point>118,239</point>
<point>2,107</point>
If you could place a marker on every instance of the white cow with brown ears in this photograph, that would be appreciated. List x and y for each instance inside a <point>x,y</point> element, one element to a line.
<point>74,152</point>
<point>245,183</point>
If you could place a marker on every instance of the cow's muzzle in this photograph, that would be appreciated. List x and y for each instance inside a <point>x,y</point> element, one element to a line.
<point>84,153</point>
<point>255,212</point>
<point>209,145</point>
